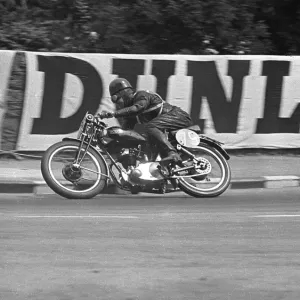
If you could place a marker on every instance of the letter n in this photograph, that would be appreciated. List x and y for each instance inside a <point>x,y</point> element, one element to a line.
<point>206,83</point>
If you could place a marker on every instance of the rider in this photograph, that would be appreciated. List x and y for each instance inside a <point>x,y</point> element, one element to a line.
<point>150,109</point>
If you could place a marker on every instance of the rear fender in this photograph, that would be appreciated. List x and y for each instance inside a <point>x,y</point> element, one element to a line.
<point>100,155</point>
<point>215,144</point>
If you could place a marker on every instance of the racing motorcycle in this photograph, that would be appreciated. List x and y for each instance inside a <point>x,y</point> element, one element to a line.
<point>82,167</point>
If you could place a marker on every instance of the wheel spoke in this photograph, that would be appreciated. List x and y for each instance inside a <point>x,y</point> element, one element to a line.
<point>90,170</point>
<point>85,179</point>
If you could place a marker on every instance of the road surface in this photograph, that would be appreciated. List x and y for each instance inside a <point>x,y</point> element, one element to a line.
<point>242,245</point>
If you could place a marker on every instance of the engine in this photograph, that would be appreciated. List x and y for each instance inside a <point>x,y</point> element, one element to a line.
<point>129,157</point>
<point>137,166</point>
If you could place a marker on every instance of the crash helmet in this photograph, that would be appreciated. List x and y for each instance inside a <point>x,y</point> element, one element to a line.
<point>118,85</point>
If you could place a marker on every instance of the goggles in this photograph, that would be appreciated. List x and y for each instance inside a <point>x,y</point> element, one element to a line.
<point>114,98</point>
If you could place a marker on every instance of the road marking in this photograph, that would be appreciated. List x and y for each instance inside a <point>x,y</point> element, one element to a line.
<point>276,216</point>
<point>79,217</point>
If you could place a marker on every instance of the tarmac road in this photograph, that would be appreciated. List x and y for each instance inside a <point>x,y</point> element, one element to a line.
<point>241,245</point>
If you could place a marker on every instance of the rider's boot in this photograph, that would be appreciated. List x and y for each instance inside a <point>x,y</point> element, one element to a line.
<point>172,156</point>
<point>164,145</point>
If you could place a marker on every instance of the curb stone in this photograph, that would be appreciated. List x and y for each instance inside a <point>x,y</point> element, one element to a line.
<point>41,188</point>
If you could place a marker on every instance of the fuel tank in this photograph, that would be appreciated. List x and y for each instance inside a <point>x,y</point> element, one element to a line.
<point>117,133</point>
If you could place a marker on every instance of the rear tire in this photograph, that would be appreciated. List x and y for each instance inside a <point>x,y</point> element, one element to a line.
<point>221,187</point>
<point>66,192</point>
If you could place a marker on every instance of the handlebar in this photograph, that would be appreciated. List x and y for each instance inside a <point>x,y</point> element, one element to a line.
<point>105,115</point>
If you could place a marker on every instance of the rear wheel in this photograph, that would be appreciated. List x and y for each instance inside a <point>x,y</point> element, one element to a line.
<point>205,185</point>
<point>75,181</point>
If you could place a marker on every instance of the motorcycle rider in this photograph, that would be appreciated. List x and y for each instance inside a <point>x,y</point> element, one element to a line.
<point>149,109</point>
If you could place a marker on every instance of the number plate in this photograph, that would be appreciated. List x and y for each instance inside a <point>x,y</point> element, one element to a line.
<point>187,138</point>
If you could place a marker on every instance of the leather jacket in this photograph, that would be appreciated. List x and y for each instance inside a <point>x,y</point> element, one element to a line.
<point>145,107</point>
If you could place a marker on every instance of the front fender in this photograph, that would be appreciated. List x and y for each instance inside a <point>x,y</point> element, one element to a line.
<point>101,156</point>
<point>215,144</point>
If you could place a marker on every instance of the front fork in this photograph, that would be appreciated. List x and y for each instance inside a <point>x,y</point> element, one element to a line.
<point>78,160</point>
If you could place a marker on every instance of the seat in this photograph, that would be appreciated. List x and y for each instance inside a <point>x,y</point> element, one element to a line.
<point>195,128</point>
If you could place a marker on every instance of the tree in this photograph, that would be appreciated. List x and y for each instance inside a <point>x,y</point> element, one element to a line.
<point>152,26</point>
<point>283,20</point>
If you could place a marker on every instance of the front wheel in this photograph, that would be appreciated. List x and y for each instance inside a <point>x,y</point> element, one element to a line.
<point>68,179</point>
<point>209,185</point>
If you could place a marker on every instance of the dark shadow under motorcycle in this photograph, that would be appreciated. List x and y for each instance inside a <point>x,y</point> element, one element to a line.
<point>82,168</point>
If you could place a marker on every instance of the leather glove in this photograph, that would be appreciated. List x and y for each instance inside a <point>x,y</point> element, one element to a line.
<point>106,114</point>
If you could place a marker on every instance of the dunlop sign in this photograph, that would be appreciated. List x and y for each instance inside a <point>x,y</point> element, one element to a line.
<point>243,101</point>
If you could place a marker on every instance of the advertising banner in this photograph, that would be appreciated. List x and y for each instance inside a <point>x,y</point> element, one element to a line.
<point>243,101</point>
<point>6,61</point>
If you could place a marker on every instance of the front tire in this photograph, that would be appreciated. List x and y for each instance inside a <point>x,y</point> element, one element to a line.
<point>206,187</point>
<point>76,186</point>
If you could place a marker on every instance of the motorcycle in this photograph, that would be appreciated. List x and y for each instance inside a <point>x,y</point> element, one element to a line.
<point>82,167</point>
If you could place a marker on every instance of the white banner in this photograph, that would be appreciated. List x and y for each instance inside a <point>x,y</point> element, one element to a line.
<point>6,60</point>
<point>243,101</point>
